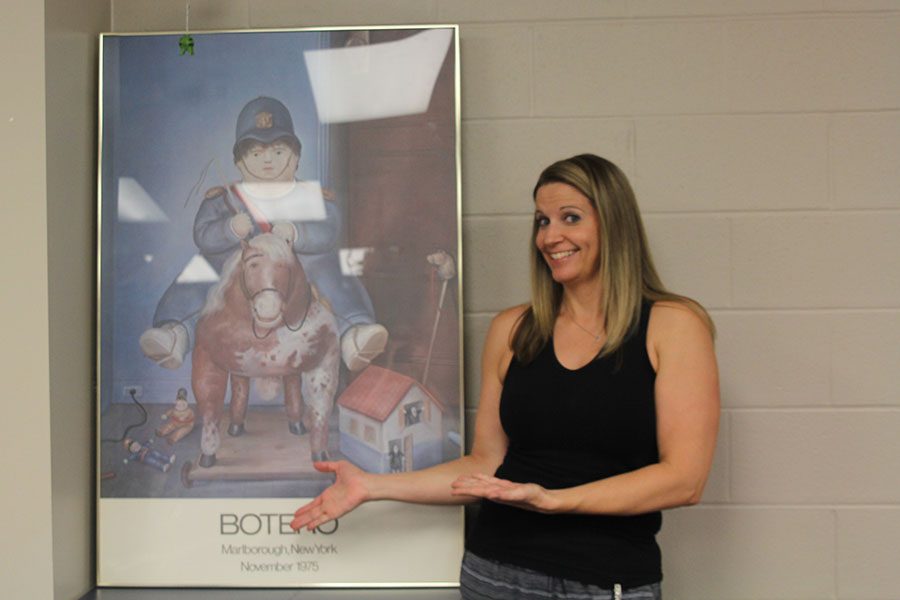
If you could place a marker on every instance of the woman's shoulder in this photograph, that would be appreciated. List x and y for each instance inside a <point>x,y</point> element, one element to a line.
<point>504,325</point>
<point>680,308</point>
<point>508,317</point>
<point>677,322</point>
<point>678,314</point>
<point>505,322</point>
<point>497,344</point>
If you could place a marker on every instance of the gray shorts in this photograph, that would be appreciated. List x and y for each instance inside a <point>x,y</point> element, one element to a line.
<point>482,579</point>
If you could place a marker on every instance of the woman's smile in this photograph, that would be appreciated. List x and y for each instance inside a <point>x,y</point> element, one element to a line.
<point>562,255</point>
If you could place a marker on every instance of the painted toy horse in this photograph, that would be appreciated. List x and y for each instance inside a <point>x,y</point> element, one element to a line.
<point>265,320</point>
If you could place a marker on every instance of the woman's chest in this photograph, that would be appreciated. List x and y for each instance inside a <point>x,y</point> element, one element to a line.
<point>601,407</point>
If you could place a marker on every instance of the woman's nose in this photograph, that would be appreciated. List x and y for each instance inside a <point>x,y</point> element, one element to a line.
<point>550,234</point>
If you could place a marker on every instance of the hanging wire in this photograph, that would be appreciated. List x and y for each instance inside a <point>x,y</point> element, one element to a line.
<point>186,42</point>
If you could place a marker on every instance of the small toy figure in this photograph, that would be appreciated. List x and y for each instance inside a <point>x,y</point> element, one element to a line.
<point>146,454</point>
<point>396,458</point>
<point>180,419</point>
<point>185,45</point>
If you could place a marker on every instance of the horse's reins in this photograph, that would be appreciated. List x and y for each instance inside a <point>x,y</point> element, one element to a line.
<point>251,296</point>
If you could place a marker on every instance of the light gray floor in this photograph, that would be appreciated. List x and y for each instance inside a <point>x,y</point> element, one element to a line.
<point>246,594</point>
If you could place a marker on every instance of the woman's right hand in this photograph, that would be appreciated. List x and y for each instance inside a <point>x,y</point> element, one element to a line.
<point>346,493</point>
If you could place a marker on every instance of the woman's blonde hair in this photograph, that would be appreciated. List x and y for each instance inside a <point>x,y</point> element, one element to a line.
<point>627,274</point>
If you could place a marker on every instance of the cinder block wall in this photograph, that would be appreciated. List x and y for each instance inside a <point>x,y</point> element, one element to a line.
<point>763,139</point>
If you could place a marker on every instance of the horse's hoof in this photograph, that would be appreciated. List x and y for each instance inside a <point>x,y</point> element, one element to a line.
<point>320,456</point>
<point>236,429</point>
<point>207,460</point>
<point>297,427</point>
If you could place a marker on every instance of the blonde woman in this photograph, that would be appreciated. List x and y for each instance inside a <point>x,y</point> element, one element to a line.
<point>599,408</point>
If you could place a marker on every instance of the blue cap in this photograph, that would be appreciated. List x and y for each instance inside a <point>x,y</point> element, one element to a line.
<point>264,120</point>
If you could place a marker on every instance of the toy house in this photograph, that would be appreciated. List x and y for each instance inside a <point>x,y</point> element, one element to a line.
<point>389,423</point>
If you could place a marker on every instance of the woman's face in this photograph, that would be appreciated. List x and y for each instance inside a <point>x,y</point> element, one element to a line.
<point>568,233</point>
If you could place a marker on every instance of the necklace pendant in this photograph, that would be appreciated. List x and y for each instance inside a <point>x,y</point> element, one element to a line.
<point>596,336</point>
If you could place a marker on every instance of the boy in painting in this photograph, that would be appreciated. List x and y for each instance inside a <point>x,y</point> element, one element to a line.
<point>267,199</point>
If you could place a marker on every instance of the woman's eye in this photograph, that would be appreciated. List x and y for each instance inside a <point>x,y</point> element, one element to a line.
<point>541,221</point>
<point>572,218</point>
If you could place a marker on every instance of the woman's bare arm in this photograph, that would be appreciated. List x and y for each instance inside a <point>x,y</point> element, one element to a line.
<point>353,486</point>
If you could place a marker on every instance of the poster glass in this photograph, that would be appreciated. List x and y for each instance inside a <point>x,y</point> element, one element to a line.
<point>278,283</point>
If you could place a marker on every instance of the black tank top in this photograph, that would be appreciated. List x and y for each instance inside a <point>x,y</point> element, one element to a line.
<point>567,428</point>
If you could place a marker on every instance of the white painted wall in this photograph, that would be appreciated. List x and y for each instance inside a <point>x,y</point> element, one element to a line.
<point>47,116</point>
<point>26,568</point>
<point>71,44</point>
<point>762,139</point>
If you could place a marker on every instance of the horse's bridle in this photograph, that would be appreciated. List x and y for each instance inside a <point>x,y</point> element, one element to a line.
<point>251,296</point>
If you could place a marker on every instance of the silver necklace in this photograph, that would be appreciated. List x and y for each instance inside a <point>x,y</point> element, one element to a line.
<point>596,336</point>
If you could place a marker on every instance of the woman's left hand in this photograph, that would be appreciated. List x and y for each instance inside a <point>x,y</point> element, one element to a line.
<point>529,496</point>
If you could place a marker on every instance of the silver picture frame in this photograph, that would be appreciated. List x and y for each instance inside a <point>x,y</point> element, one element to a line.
<point>214,398</point>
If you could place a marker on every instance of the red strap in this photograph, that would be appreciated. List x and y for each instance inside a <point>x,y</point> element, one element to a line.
<point>254,211</point>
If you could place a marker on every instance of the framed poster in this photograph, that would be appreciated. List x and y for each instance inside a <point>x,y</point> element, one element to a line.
<point>279,267</point>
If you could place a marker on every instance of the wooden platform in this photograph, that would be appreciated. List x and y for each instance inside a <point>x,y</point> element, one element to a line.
<point>266,451</point>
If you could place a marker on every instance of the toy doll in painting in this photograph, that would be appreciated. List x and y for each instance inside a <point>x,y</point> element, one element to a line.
<point>179,420</point>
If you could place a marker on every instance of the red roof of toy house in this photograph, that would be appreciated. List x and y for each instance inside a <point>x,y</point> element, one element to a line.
<point>377,391</point>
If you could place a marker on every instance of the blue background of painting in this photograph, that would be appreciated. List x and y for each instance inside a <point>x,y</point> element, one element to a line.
<point>165,116</point>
